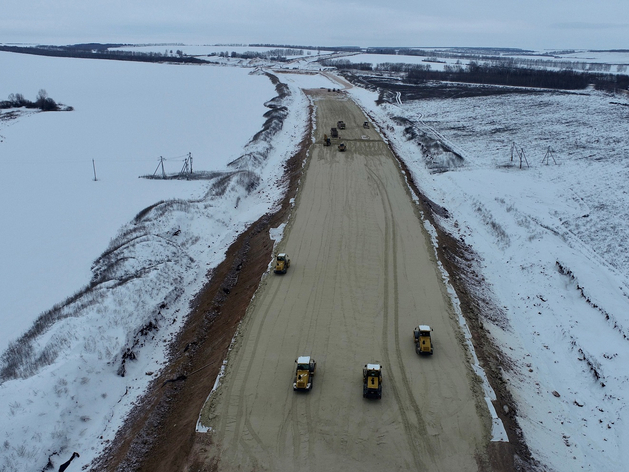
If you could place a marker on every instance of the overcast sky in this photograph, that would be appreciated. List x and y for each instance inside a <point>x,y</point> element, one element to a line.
<point>530,24</point>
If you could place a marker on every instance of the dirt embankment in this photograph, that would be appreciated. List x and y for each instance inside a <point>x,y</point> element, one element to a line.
<point>160,431</point>
<point>455,255</point>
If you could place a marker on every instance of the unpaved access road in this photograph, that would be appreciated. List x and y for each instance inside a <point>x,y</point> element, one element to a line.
<point>363,274</point>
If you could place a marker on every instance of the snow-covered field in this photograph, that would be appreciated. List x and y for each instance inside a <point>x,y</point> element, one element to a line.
<point>551,239</point>
<point>616,61</point>
<point>66,385</point>
<point>126,115</point>
<point>402,59</point>
<point>198,50</point>
<point>295,58</point>
<point>608,57</point>
<point>552,245</point>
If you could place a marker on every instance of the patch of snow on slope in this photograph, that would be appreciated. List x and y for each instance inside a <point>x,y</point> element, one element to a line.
<point>69,383</point>
<point>126,115</point>
<point>552,245</point>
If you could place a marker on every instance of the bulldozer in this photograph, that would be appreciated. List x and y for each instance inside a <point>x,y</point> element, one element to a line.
<point>342,147</point>
<point>304,373</point>
<point>326,141</point>
<point>372,381</point>
<point>423,339</point>
<point>282,263</point>
<point>340,124</point>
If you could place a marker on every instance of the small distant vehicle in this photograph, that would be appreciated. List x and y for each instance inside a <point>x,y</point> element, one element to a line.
<point>282,263</point>
<point>423,339</point>
<point>366,125</point>
<point>372,381</point>
<point>340,124</point>
<point>326,141</point>
<point>304,373</point>
<point>342,147</point>
<point>334,132</point>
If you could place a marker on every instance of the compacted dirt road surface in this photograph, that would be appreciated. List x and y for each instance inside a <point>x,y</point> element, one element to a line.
<point>362,276</point>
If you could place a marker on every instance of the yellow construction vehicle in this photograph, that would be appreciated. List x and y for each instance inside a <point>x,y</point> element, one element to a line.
<point>282,263</point>
<point>372,381</point>
<point>304,373</point>
<point>326,141</point>
<point>342,147</point>
<point>423,340</point>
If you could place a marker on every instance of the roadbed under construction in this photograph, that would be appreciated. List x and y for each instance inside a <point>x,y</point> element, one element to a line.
<point>363,274</point>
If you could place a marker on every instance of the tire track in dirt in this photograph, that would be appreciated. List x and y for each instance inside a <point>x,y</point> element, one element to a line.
<point>359,259</point>
<point>396,310</point>
<point>282,433</point>
<point>237,439</point>
<point>389,251</point>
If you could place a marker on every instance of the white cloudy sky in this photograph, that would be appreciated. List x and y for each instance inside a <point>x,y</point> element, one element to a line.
<point>535,24</point>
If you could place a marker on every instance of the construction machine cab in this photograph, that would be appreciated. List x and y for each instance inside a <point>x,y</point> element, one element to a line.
<point>304,373</point>
<point>423,339</point>
<point>282,263</point>
<point>372,381</point>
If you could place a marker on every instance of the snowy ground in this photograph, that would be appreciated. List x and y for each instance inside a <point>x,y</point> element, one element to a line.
<point>197,50</point>
<point>126,115</point>
<point>617,61</point>
<point>75,371</point>
<point>552,240</point>
<point>402,59</point>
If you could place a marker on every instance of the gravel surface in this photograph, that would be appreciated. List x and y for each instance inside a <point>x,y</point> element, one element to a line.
<point>363,275</point>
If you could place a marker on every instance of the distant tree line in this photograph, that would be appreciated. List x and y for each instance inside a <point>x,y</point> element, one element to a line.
<point>42,102</point>
<point>279,55</point>
<point>315,48</point>
<point>101,53</point>
<point>499,73</point>
<point>503,74</point>
<point>347,64</point>
<point>545,60</point>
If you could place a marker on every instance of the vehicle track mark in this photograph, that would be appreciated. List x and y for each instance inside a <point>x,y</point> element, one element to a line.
<point>296,435</point>
<point>249,427</point>
<point>283,430</point>
<point>421,424</point>
<point>396,312</point>
<point>238,420</point>
<point>389,246</point>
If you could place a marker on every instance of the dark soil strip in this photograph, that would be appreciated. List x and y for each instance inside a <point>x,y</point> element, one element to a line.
<point>159,434</point>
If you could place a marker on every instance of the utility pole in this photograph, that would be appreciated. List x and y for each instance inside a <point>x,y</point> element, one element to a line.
<point>523,157</point>
<point>161,163</point>
<point>520,153</point>
<point>94,166</point>
<point>190,159</point>
<point>549,154</point>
